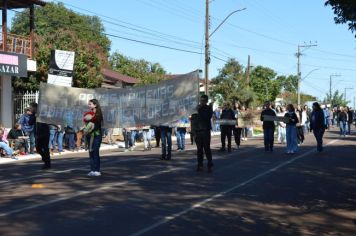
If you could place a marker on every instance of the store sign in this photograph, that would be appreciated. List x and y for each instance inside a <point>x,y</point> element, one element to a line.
<point>13,64</point>
<point>61,68</point>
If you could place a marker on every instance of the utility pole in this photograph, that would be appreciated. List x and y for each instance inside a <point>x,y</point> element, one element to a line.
<point>207,36</point>
<point>330,87</point>
<point>248,71</point>
<point>207,53</point>
<point>298,54</point>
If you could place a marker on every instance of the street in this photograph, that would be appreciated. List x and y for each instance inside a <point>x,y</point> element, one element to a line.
<point>250,192</point>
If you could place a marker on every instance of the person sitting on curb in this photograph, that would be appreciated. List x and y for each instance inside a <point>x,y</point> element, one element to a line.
<point>6,150</point>
<point>17,136</point>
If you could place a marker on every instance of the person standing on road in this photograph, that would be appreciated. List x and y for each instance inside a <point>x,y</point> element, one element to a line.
<point>96,136</point>
<point>42,134</point>
<point>166,138</point>
<point>201,126</point>
<point>342,117</point>
<point>226,129</point>
<point>268,127</point>
<point>181,130</point>
<point>318,125</point>
<point>281,126</point>
<point>349,120</point>
<point>237,129</point>
<point>291,129</point>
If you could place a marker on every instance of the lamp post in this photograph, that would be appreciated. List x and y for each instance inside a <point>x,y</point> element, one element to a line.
<point>345,94</point>
<point>298,54</point>
<point>207,36</point>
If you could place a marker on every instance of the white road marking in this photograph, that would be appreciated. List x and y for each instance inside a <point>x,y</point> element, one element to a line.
<point>221,194</point>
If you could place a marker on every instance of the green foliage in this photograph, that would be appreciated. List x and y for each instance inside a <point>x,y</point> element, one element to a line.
<point>145,71</point>
<point>337,99</point>
<point>60,28</point>
<point>264,83</point>
<point>231,85</point>
<point>345,11</point>
<point>288,83</point>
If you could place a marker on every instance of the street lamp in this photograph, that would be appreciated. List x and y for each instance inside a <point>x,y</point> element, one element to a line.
<point>345,93</point>
<point>207,36</point>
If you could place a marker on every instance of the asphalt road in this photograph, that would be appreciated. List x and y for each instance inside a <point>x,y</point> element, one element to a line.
<point>250,192</point>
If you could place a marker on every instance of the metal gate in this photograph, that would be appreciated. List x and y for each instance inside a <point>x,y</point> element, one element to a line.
<point>22,101</point>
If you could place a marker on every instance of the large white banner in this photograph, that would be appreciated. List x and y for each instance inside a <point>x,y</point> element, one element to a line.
<point>154,104</point>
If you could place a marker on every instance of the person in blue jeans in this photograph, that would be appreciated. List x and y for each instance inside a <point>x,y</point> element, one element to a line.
<point>318,125</point>
<point>342,117</point>
<point>96,137</point>
<point>180,133</point>
<point>291,129</point>
<point>52,137</point>
<point>59,138</point>
<point>166,138</point>
<point>28,127</point>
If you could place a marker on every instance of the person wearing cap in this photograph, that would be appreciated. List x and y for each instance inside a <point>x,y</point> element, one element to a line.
<point>318,125</point>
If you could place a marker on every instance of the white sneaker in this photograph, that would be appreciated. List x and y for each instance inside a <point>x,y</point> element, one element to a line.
<point>96,173</point>
<point>91,173</point>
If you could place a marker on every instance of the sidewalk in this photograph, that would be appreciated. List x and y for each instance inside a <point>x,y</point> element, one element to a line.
<point>104,146</point>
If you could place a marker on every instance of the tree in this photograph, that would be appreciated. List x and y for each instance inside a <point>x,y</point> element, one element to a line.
<point>288,83</point>
<point>145,71</point>
<point>231,84</point>
<point>60,28</point>
<point>337,99</point>
<point>345,11</point>
<point>264,83</point>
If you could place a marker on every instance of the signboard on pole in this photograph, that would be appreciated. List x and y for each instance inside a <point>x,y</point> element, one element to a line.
<point>61,68</point>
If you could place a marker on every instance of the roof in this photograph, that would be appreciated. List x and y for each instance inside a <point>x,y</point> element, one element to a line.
<point>11,4</point>
<point>118,76</point>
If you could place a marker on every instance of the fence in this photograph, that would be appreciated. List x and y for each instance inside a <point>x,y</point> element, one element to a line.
<point>23,100</point>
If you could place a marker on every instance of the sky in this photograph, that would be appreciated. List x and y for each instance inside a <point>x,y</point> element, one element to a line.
<point>268,31</point>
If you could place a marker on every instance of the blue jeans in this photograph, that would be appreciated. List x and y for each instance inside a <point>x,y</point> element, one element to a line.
<point>52,139</point>
<point>31,140</point>
<point>181,138</point>
<point>318,133</point>
<point>342,128</point>
<point>6,148</point>
<point>71,143</point>
<point>268,136</point>
<point>94,154</point>
<point>166,137</point>
<point>292,141</point>
<point>60,141</point>
<point>133,137</point>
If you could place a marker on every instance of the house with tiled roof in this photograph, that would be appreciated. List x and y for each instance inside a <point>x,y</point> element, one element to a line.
<point>114,79</point>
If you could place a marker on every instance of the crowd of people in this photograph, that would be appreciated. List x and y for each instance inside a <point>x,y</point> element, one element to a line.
<point>291,123</point>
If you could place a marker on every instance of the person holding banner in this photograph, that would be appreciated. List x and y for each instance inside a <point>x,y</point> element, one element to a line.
<point>227,115</point>
<point>95,137</point>
<point>201,127</point>
<point>268,126</point>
